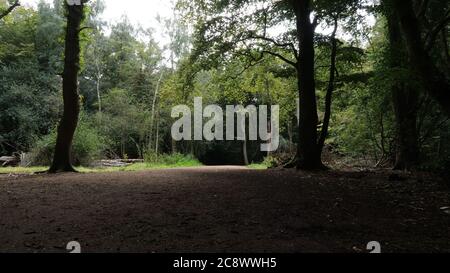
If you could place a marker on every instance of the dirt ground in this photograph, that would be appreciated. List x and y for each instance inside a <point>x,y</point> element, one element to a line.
<point>225,209</point>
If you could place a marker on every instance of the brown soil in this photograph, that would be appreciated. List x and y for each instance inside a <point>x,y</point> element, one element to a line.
<point>224,209</point>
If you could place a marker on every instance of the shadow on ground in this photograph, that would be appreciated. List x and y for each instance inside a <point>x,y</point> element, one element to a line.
<point>224,209</point>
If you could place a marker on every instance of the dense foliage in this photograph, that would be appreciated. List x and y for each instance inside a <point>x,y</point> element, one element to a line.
<point>228,52</point>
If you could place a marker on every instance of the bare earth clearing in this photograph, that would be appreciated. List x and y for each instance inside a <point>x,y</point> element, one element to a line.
<point>224,209</point>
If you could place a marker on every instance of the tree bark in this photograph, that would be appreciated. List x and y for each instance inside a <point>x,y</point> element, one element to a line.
<point>308,154</point>
<point>69,121</point>
<point>405,100</point>
<point>330,88</point>
<point>434,81</point>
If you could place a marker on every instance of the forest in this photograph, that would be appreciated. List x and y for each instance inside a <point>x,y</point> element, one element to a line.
<point>362,86</point>
<point>364,97</point>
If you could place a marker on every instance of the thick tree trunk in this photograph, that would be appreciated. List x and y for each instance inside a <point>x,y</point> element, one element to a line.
<point>433,80</point>
<point>69,121</point>
<point>330,88</point>
<point>405,100</point>
<point>309,156</point>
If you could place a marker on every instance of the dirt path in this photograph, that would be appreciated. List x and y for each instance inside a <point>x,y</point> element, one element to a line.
<point>224,209</point>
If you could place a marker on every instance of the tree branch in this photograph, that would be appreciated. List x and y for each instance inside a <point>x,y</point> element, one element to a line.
<point>252,62</point>
<point>432,35</point>
<point>273,41</point>
<point>315,22</point>
<point>294,64</point>
<point>422,9</point>
<point>83,28</point>
<point>10,9</point>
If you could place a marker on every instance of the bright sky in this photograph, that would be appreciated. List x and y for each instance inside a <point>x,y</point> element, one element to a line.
<point>144,13</point>
<point>139,12</point>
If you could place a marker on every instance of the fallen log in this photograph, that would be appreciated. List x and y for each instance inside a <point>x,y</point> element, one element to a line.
<point>9,161</point>
<point>117,162</point>
<point>132,160</point>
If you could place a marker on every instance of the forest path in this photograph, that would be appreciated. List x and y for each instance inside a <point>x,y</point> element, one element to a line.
<point>217,209</point>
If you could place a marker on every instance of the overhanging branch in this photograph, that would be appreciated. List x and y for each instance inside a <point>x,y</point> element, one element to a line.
<point>10,9</point>
<point>276,43</point>
<point>280,57</point>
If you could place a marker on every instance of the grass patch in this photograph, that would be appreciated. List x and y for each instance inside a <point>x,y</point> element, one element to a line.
<point>260,166</point>
<point>164,164</point>
<point>185,163</point>
<point>22,170</point>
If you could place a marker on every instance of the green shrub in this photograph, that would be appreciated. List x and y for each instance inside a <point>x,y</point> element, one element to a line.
<point>87,146</point>
<point>271,162</point>
<point>276,160</point>
<point>176,159</point>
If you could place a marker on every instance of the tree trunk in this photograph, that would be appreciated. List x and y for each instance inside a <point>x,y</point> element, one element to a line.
<point>405,100</point>
<point>152,120</point>
<point>98,94</point>
<point>290,133</point>
<point>308,153</point>
<point>174,146</point>
<point>269,124</point>
<point>433,80</point>
<point>245,152</point>
<point>69,120</point>
<point>157,134</point>
<point>330,88</point>
<point>98,71</point>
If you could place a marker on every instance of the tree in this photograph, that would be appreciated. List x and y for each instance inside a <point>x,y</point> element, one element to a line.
<point>405,99</point>
<point>245,28</point>
<point>309,155</point>
<point>434,80</point>
<point>49,34</point>
<point>233,29</point>
<point>179,47</point>
<point>29,102</point>
<point>330,87</point>
<point>96,49</point>
<point>68,124</point>
<point>92,77</point>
